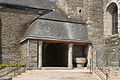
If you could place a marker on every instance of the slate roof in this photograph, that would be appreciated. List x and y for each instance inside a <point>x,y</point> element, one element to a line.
<point>56,14</point>
<point>41,4</point>
<point>57,30</point>
<point>45,4</point>
<point>54,25</point>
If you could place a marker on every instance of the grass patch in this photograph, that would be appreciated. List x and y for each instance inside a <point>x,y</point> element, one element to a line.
<point>19,64</point>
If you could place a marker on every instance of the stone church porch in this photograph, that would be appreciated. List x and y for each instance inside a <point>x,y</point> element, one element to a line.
<point>44,54</point>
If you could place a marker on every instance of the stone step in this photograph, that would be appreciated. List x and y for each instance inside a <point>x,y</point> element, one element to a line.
<point>6,78</point>
<point>73,70</point>
<point>64,75</point>
<point>75,74</point>
<point>57,78</point>
<point>55,68</point>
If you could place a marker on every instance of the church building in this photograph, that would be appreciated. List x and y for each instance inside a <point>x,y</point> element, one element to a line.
<point>62,34</point>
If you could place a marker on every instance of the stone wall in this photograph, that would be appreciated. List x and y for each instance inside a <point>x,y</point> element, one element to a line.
<point>24,49</point>
<point>112,50</point>
<point>33,53</point>
<point>14,25</point>
<point>107,3</point>
<point>73,8</point>
<point>111,45</point>
<point>0,41</point>
<point>94,23</point>
<point>24,52</point>
<point>62,4</point>
<point>94,11</point>
<point>92,14</point>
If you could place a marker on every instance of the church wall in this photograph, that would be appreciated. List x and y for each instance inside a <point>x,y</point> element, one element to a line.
<point>0,41</point>
<point>62,4</point>
<point>94,23</point>
<point>73,8</point>
<point>94,16</point>
<point>24,49</point>
<point>112,42</point>
<point>14,25</point>
<point>33,52</point>
<point>106,3</point>
<point>92,13</point>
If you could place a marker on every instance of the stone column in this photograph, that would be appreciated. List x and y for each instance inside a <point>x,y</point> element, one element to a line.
<point>70,52</point>
<point>28,53</point>
<point>89,57</point>
<point>40,55</point>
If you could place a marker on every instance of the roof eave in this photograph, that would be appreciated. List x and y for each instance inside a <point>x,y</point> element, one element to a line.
<point>50,39</point>
<point>22,7</point>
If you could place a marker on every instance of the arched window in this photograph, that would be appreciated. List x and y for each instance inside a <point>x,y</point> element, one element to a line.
<point>115,20</point>
<point>111,20</point>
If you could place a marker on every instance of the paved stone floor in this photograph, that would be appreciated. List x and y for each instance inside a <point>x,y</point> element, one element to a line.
<point>114,73</point>
<point>76,74</point>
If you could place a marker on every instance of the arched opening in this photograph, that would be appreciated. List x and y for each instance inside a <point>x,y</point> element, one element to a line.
<point>115,20</point>
<point>55,55</point>
<point>111,19</point>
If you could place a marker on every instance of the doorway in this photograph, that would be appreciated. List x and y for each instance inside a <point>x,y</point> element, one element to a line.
<point>55,55</point>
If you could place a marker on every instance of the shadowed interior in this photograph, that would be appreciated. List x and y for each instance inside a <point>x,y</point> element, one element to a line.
<point>55,55</point>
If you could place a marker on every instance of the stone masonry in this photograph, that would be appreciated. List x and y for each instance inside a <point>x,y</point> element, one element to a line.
<point>73,8</point>
<point>14,24</point>
<point>93,13</point>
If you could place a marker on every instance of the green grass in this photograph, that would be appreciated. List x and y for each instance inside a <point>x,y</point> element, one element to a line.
<point>19,64</point>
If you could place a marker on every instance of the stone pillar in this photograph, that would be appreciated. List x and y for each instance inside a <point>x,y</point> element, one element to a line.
<point>33,49</point>
<point>40,55</point>
<point>89,57</point>
<point>28,52</point>
<point>70,52</point>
